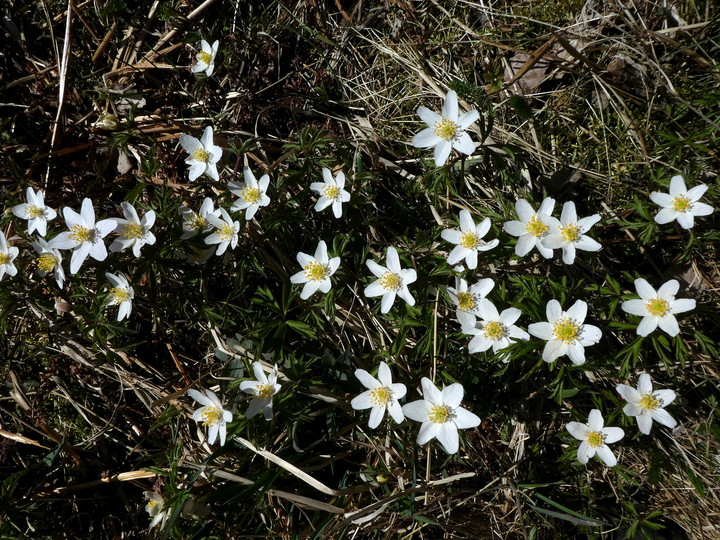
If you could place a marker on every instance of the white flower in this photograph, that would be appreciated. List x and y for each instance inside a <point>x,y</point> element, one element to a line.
<point>496,330</point>
<point>381,395</point>
<point>646,405</point>
<point>568,233</point>
<point>565,332</point>
<point>35,211</point>
<point>121,294</point>
<point>532,227</point>
<point>316,271</point>
<point>468,239</point>
<point>196,222</point>
<point>441,414</point>
<point>263,388</point>
<point>204,155</point>
<point>331,192</point>
<point>226,231</point>
<point>392,281</point>
<point>468,300</point>
<point>595,438</point>
<point>133,231</point>
<point>156,508</point>
<point>206,58</point>
<point>211,414</point>
<point>7,256</point>
<point>85,237</point>
<point>252,193</point>
<point>681,203</point>
<point>446,131</point>
<point>657,308</point>
<point>49,260</point>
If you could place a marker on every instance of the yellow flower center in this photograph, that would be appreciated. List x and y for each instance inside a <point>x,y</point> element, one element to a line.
<point>152,503</point>
<point>466,301</point>
<point>566,330</point>
<point>211,416</point>
<point>595,439</point>
<point>331,192</point>
<point>440,414</point>
<point>132,231</point>
<point>390,281</point>
<point>494,330</point>
<point>681,204</point>
<point>570,233</point>
<point>470,240</point>
<point>264,390</point>
<point>251,195</point>
<point>4,258</point>
<point>315,271</point>
<point>205,57</point>
<point>81,234</point>
<point>34,212</point>
<point>649,402</point>
<point>46,262</point>
<point>197,222</point>
<point>381,395</point>
<point>657,307</point>
<point>226,231</point>
<point>202,155</point>
<point>119,295</point>
<point>536,228</point>
<point>446,129</point>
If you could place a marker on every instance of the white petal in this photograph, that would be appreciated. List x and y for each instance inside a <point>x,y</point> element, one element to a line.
<point>647,326</point>
<point>442,152</point>
<point>644,289</point>
<point>464,144</point>
<point>578,430</point>
<point>669,289</point>
<point>595,420</point>
<point>429,117</point>
<point>367,380</point>
<point>464,419</point>
<point>426,138</point>
<point>644,421</point>
<point>416,410</point>
<point>635,307</point>
<point>452,395</point>
<point>606,455</point>
<point>682,305</point>
<point>677,186</point>
<point>376,416</point>
<point>448,436</point>
<point>664,418</point>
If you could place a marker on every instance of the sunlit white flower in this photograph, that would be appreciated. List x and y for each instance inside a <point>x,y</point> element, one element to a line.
<point>85,237</point>
<point>681,203</point>
<point>196,222</point>
<point>206,58</point>
<point>226,231</point>
<point>381,395</point>
<point>204,155</point>
<point>532,227</point>
<point>468,300</point>
<point>441,414</point>
<point>446,131</point>
<point>565,332</point>
<point>392,281</point>
<point>134,232</point>
<point>331,192</point>
<point>494,329</point>
<point>49,260</point>
<point>568,233</point>
<point>263,388</point>
<point>156,508</point>
<point>657,308</point>
<point>35,211</point>
<point>121,294</point>
<point>252,193</point>
<point>316,271</point>
<point>595,438</point>
<point>646,405</point>
<point>211,414</point>
<point>7,256</point>
<point>468,239</point>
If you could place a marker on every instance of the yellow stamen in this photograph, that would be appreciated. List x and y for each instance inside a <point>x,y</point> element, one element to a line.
<point>570,233</point>
<point>681,204</point>
<point>466,301</point>
<point>226,231</point>
<point>596,439</point>
<point>390,281</point>
<point>264,390</point>
<point>381,395</point>
<point>566,330</point>
<point>119,295</point>
<point>649,402</point>
<point>315,271</point>
<point>205,57</point>
<point>4,258</point>
<point>81,234</point>
<point>494,330</point>
<point>331,192</point>
<point>151,506</point>
<point>251,195</point>
<point>446,129</point>
<point>657,307</point>
<point>46,262</point>
<point>470,240</point>
<point>536,228</point>
<point>133,231</point>
<point>197,223</point>
<point>440,414</point>
<point>202,155</point>
<point>211,416</point>
<point>34,212</point>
